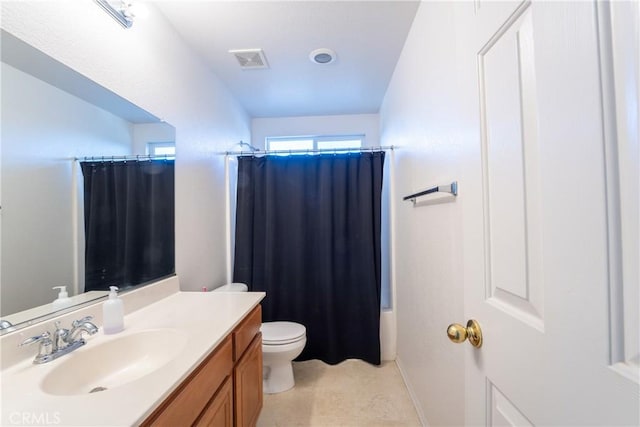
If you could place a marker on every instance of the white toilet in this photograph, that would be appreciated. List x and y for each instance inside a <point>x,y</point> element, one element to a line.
<point>281,343</point>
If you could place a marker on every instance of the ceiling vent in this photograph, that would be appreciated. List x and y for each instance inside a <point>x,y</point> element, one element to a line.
<point>250,59</point>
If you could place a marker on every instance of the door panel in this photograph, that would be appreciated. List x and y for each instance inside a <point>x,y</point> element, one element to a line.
<point>538,237</point>
<point>501,411</point>
<point>510,170</point>
<point>621,83</point>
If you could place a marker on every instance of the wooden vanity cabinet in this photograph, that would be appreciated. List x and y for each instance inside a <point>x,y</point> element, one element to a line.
<point>225,389</point>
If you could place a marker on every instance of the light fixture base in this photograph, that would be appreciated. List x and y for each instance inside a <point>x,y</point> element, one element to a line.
<point>118,15</point>
<point>323,56</point>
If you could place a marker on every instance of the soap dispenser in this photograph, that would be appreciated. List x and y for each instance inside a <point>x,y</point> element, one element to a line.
<point>113,313</point>
<point>63,300</point>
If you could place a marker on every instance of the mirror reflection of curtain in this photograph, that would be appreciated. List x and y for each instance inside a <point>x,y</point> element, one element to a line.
<point>128,222</point>
<point>308,234</point>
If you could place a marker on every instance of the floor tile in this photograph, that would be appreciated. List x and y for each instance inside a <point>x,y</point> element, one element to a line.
<point>351,394</point>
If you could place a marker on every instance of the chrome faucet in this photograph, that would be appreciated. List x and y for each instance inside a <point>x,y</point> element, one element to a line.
<point>80,326</point>
<point>64,340</point>
<point>5,324</point>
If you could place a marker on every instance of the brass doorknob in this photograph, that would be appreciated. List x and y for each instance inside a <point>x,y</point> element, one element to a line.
<point>458,333</point>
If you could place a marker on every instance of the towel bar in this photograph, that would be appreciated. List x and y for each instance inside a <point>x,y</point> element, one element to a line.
<point>449,188</point>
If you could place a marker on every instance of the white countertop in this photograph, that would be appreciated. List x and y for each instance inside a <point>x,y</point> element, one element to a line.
<point>205,317</point>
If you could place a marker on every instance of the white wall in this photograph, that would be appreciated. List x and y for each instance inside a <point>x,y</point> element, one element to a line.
<point>144,133</point>
<point>349,124</point>
<point>151,66</point>
<point>428,111</point>
<point>43,129</point>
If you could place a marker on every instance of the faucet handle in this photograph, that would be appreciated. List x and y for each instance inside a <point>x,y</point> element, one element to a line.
<point>45,351</point>
<point>46,346</point>
<point>44,337</point>
<point>79,322</point>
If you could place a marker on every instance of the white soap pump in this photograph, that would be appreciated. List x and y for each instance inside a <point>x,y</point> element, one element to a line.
<point>63,300</point>
<point>113,313</point>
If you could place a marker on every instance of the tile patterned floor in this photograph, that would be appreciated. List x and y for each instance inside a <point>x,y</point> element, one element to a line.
<point>353,393</point>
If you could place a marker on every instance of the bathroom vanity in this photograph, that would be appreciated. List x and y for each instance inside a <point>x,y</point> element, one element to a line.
<point>184,358</point>
<point>231,373</point>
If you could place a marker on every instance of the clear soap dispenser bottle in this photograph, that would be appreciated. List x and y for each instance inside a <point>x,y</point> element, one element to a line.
<point>113,313</point>
<point>63,300</point>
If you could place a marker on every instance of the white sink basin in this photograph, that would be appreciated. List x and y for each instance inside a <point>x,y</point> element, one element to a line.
<point>114,363</point>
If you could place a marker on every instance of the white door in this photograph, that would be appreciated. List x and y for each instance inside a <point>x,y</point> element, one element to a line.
<point>551,240</point>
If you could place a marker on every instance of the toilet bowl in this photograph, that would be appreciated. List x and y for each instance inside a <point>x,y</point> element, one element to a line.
<point>281,343</point>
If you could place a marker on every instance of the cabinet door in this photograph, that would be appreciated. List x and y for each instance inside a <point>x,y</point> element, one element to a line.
<point>219,413</point>
<point>248,384</point>
<point>192,396</point>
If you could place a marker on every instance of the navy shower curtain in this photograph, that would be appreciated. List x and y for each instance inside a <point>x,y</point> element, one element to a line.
<point>308,234</point>
<point>128,222</point>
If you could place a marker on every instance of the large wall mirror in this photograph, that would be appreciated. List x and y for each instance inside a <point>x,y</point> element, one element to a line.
<point>51,117</point>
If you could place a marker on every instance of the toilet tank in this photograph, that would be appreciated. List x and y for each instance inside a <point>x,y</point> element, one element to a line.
<point>232,287</point>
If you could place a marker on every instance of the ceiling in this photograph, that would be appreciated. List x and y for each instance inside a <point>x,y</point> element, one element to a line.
<point>367,36</point>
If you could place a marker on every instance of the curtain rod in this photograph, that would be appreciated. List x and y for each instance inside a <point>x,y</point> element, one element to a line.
<point>129,157</point>
<point>306,151</point>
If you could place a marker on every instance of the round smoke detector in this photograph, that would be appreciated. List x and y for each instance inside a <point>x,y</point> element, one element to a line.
<point>322,56</point>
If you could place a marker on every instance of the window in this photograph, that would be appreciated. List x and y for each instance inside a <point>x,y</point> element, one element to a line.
<point>302,144</point>
<point>161,149</point>
<point>290,144</point>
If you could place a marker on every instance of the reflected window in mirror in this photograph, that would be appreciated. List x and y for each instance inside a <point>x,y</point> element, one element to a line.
<point>158,149</point>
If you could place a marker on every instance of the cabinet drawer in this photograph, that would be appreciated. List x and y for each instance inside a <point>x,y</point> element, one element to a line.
<point>191,397</point>
<point>246,331</point>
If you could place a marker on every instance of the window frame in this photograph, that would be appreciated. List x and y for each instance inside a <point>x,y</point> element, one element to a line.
<point>317,141</point>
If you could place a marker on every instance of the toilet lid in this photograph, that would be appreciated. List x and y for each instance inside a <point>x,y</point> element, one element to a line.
<point>282,332</point>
